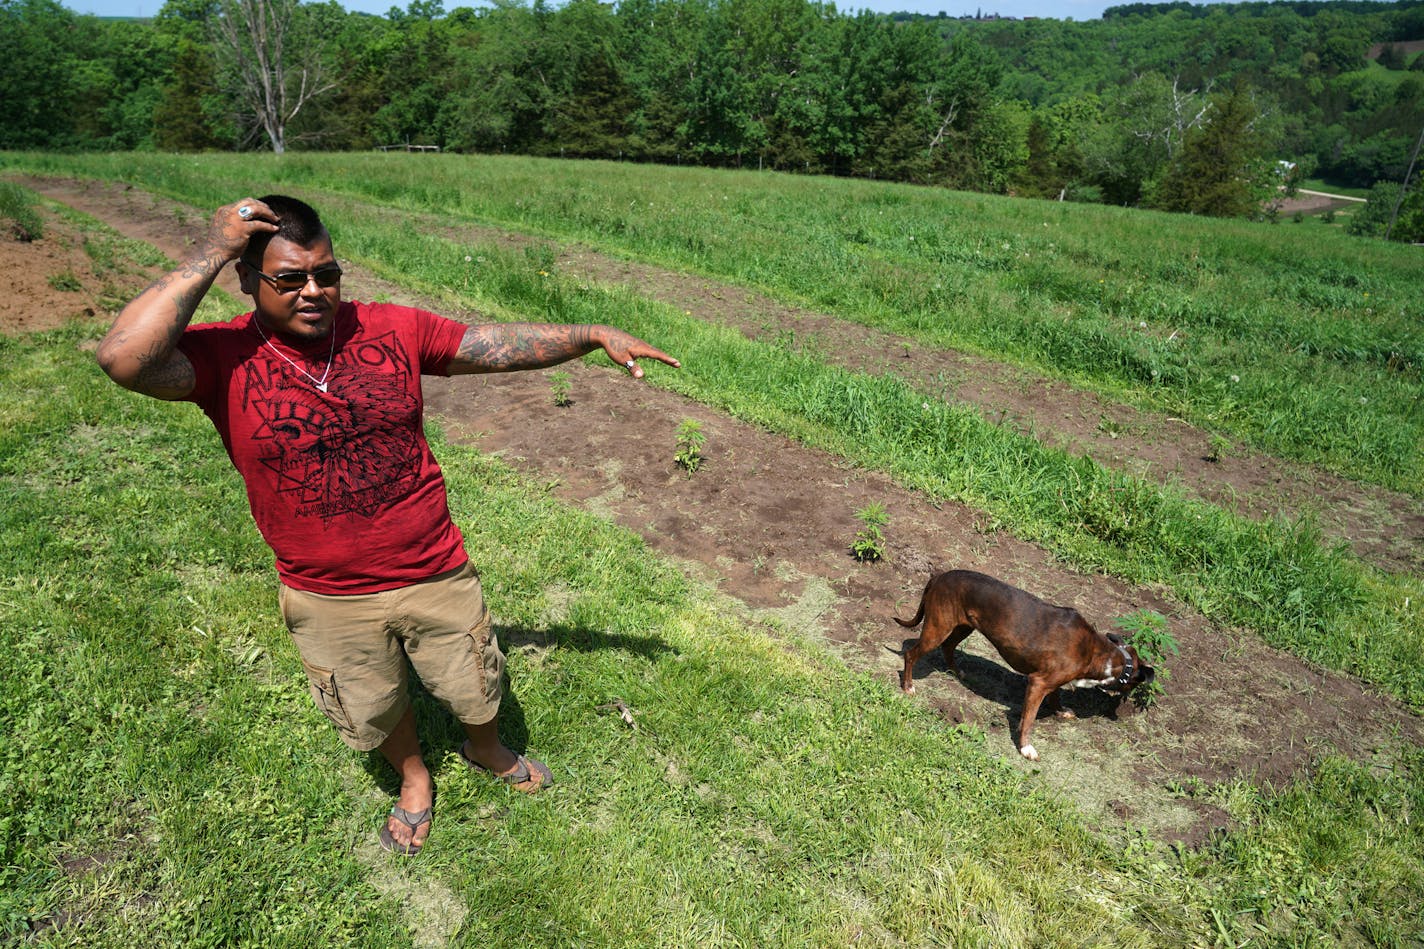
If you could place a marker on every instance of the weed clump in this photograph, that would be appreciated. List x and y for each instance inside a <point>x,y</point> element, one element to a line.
<point>17,210</point>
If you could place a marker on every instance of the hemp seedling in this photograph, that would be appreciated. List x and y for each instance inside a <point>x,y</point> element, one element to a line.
<point>869,545</point>
<point>560,385</point>
<point>1147,631</point>
<point>689,445</point>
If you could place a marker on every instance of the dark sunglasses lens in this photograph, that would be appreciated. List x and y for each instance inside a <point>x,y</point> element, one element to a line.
<point>297,280</point>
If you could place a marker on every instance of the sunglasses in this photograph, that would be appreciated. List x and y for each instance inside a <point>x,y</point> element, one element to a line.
<point>291,280</point>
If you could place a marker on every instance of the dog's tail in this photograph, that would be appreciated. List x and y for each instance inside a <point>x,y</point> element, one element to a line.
<point>919,613</point>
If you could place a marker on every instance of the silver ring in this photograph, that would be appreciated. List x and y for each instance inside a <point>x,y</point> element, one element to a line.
<point>244,212</point>
<point>630,364</point>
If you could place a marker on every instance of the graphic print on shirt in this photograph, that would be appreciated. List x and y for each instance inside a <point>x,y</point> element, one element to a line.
<point>350,451</point>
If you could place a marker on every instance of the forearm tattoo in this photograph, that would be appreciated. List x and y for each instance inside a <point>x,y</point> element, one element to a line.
<point>152,340</point>
<point>504,347</point>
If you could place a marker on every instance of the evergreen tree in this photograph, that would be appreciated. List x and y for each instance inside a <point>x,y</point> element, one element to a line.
<point>1222,169</point>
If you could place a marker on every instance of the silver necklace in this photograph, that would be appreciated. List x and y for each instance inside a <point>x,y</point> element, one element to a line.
<point>319,383</point>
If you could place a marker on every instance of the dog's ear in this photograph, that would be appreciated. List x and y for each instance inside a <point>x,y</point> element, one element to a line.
<point>1116,639</point>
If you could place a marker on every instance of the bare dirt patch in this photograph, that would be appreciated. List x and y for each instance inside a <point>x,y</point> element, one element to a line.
<point>44,282</point>
<point>770,522</point>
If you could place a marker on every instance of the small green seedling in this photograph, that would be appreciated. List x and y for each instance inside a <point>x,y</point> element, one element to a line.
<point>869,544</point>
<point>66,281</point>
<point>1147,632</point>
<point>689,445</point>
<point>560,385</point>
<point>1218,449</point>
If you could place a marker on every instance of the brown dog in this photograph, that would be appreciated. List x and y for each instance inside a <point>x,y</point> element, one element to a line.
<point>1052,645</point>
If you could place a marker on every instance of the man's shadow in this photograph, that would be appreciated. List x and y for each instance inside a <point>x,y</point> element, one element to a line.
<point>441,733</point>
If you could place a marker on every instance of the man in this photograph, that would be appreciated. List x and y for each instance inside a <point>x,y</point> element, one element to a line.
<point>319,405</point>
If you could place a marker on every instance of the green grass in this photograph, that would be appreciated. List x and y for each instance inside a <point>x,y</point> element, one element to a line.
<point>1301,342</point>
<point>169,782</point>
<point>18,216</point>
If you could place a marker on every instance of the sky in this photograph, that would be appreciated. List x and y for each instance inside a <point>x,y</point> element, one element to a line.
<point>1057,9</point>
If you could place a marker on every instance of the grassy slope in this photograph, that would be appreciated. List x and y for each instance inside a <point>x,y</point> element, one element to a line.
<point>162,748</point>
<point>768,798</point>
<point>1277,579</point>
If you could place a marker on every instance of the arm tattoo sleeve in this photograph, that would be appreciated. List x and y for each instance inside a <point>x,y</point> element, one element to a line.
<point>505,347</point>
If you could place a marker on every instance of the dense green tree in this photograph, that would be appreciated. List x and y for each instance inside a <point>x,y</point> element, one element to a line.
<point>1392,57</point>
<point>1139,134</point>
<point>587,112</point>
<point>72,81</point>
<point>189,114</point>
<point>658,43</point>
<point>1110,109</point>
<point>1386,211</point>
<point>1222,169</point>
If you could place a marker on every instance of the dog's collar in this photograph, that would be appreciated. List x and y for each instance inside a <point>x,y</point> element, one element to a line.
<point>1129,668</point>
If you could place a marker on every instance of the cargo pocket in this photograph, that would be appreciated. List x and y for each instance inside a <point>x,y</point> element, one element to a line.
<point>491,660</point>
<point>328,698</point>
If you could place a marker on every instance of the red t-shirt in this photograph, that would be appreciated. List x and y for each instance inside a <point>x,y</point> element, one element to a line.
<point>342,483</point>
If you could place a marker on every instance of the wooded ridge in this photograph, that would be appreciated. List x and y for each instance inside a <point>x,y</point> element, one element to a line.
<point>1173,106</point>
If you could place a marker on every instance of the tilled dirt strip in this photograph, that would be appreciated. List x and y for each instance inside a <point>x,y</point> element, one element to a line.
<point>770,522</point>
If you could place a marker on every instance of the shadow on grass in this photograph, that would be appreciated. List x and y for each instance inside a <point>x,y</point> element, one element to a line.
<point>441,733</point>
<point>582,639</point>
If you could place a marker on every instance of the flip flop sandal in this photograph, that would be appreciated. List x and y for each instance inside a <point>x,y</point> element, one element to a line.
<point>526,771</point>
<point>413,821</point>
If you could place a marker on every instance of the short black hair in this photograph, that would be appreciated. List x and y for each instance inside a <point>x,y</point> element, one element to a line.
<point>297,222</point>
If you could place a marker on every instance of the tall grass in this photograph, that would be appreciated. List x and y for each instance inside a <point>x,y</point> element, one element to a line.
<point>18,218</point>
<point>1303,344</point>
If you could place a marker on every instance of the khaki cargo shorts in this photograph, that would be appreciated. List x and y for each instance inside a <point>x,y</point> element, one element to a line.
<point>354,649</point>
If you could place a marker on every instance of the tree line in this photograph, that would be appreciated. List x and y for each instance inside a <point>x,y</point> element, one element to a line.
<point>1173,106</point>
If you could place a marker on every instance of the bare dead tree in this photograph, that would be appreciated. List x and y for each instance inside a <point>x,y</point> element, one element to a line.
<point>277,72</point>
<point>951,111</point>
<point>1185,111</point>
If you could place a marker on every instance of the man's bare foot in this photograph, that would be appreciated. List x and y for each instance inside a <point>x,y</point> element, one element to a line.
<point>483,751</point>
<point>408,825</point>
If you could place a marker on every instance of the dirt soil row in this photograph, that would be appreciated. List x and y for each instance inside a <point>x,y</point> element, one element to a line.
<point>770,521</point>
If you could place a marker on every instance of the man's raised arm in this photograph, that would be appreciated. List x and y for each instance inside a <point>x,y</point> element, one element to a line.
<point>140,351</point>
<point>506,347</point>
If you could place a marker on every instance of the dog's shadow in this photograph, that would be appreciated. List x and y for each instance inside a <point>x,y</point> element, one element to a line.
<point>996,682</point>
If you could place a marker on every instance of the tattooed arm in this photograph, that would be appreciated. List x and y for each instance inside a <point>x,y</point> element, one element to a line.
<point>140,351</point>
<point>506,347</point>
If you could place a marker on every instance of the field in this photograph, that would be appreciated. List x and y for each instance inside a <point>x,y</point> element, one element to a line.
<point>1217,423</point>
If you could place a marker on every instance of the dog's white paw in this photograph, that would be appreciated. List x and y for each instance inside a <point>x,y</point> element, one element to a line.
<point>1029,752</point>
<point>1065,713</point>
